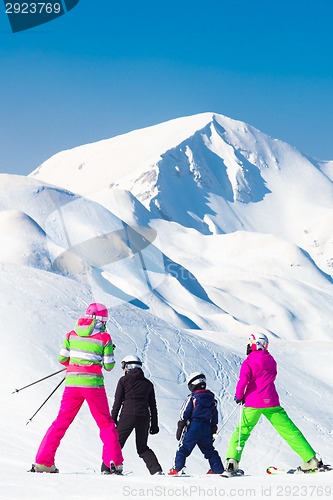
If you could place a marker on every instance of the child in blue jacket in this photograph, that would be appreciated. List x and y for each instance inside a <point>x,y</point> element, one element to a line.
<point>197,424</point>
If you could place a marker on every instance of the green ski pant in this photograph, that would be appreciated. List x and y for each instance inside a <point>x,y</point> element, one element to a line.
<point>280,421</point>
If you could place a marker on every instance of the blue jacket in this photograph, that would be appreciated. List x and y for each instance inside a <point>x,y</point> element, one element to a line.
<point>200,405</point>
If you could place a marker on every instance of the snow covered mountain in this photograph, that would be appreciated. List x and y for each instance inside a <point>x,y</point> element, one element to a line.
<point>210,173</point>
<point>208,184</point>
<point>194,232</point>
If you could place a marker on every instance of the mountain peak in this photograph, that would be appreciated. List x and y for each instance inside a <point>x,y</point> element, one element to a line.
<point>124,156</point>
<point>197,170</point>
<point>206,149</point>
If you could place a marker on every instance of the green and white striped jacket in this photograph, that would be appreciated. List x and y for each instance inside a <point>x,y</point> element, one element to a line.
<point>85,351</point>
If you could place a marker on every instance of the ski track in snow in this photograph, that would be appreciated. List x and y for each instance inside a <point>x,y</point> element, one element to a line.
<point>145,348</point>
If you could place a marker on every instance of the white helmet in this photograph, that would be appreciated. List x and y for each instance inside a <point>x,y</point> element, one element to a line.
<point>196,380</point>
<point>257,342</point>
<point>131,361</point>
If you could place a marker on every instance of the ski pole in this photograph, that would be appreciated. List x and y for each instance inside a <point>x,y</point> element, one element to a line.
<point>40,380</point>
<point>41,406</point>
<point>239,447</point>
<point>227,420</point>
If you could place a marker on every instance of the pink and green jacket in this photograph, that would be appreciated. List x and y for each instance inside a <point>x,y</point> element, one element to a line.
<point>85,351</point>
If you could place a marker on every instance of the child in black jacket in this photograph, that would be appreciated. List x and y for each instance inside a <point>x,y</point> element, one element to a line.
<point>135,397</point>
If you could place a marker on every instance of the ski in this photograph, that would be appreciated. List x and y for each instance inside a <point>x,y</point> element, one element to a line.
<point>85,471</point>
<point>124,473</point>
<point>178,475</point>
<point>226,474</point>
<point>92,471</point>
<point>278,470</point>
<point>275,471</point>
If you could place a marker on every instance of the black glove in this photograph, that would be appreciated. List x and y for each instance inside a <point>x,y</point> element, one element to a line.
<point>154,429</point>
<point>213,429</point>
<point>239,401</point>
<point>180,426</point>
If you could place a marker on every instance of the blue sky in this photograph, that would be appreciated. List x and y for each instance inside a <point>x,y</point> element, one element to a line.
<point>108,67</point>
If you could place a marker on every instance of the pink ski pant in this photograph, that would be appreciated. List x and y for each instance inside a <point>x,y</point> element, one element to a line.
<point>72,400</point>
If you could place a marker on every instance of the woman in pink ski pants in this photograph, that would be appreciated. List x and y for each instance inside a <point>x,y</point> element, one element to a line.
<point>85,350</point>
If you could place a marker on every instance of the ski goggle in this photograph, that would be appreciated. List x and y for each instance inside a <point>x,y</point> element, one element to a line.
<point>101,318</point>
<point>125,363</point>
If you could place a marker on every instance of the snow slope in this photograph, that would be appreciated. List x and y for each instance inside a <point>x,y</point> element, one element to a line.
<point>182,276</point>
<point>210,229</point>
<point>49,307</point>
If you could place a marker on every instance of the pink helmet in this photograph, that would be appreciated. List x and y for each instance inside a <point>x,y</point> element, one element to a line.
<point>98,311</point>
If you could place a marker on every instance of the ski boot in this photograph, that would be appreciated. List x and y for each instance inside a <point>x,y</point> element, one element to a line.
<point>232,468</point>
<point>44,468</point>
<point>113,469</point>
<point>175,472</point>
<point>116,469</point>
<point>314,465</point>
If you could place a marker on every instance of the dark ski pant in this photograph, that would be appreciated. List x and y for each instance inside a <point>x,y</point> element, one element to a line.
<point>278,417</point>
<point>141,427</point>
<point>198,433</point>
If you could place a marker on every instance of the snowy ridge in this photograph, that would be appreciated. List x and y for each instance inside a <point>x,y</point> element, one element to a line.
<point>182,276</point>
<point>25,240</point>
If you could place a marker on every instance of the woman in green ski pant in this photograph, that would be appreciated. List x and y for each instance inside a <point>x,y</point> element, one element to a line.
<point>256,389</point>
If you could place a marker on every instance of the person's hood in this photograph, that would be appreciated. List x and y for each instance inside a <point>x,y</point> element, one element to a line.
<point>135,373</point>
<point>206,397</point>
<point>262,358</point>
<point>88,326</point>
